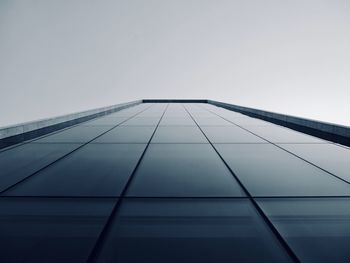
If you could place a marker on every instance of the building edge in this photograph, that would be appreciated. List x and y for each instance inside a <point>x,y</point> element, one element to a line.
<point>25,131</point>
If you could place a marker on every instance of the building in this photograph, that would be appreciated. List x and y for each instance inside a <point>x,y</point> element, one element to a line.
<point>175,181</point>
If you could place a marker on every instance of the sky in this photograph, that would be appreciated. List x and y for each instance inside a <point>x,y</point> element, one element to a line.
<point>59,57</point>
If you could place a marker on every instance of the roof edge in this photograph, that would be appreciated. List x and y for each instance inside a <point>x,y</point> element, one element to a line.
<point>24,131</point>
<point>29,130</point>
<point>328,131</point>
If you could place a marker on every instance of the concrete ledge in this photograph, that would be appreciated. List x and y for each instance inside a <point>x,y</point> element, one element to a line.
<point>25,131</point>
<point>329,131</point>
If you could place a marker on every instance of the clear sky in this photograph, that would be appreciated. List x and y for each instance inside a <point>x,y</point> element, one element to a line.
<point>58,57</point>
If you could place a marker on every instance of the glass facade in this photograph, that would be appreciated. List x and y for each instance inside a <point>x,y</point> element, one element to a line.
<point>175,182</point>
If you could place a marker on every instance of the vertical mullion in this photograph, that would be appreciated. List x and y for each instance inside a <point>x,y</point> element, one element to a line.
<point>69,153</point>
<point>281,147</point>
<point>255,204</point>
<point>95,252</point>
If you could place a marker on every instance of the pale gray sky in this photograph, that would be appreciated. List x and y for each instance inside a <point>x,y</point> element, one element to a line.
<point>65,56</point>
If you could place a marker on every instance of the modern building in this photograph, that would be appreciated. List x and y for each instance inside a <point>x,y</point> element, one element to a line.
<point>175,181</point>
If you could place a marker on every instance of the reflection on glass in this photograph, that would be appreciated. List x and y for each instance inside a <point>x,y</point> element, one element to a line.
<point>142,121</point>
<point>318,230</point>
<point>189,230</point>
<point>94,170</point>
<point>177,121</point>
<point>211,121</point>
<point>230,134</point>
<point>50,230</point>
<point>108,121</point>
<point>22,161</point>
<point>183,170</point>
<point>279,134</point>
<point>179,134</point>
<point>266,170</point>
<point>331,157</point>
<point>127,134</point>
<point>78,134</point>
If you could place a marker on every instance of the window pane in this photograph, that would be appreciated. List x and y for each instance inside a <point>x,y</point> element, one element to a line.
<point>105,121</point>
<point>211,121</point>
<point>202,230</point>
<point>20,162</point>
<point>230,134</point>
<point>94,170</point>
<point>318,230</point>
<point>50,230</point>
<point>177,121</point>
<point>179,134</point>
<point>330,157</point>
<point>127,134</point>
<point>266,170</point>
<point>183,170</point>
<point>278,134</point>
<point>78,134</point>
<point>142,121</point>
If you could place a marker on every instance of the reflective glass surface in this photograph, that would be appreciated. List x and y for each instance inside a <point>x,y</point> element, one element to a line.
<point>127,134</point>
<point>105,121</point>
<point>177,121</point>
<point>78,134</point>
<point>211,121</point>
<point>108,189</point>
<point>179,134</point>
<point>142,121</point>
<point>50,230</point>
<point>129,112</point>
<point>278,134</point>
<point>94,170</point>
<point>189,230</point>
<point>19,162</point>
<point>331,157</point>
<point>248,121</point>
<point>318,230</point>
<point>231,134</point>
<point>266,170</point>
<point>187,170</point>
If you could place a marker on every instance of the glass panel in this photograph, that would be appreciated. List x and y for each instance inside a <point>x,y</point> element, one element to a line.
<point>129,112</point>
<point>155,111</point>
<point>19,162</point>
<point>230,134</point>
<point>50,230</point>
<point>177,121</point>
<point>247,122</point>
<point>94,170</point>
<point>318,230</point>
<point>330,157</point>
<point>188,230</point>
<point>212,121</point>
<point>223,112</point>
<point>197,111</point>
<point>186,170</point>
<point>105,121</point>
<point>127,134</point>
<point>278,134</point>
<point>78,134</point>
<point>266,170</point>
<point>142,121</point>
<point>179,134</point>
<point>175,110</point>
